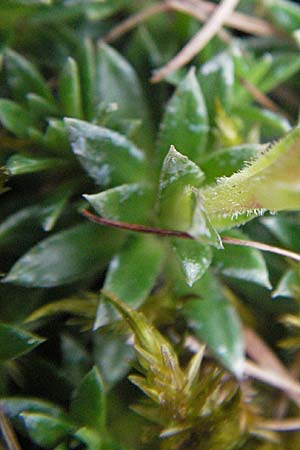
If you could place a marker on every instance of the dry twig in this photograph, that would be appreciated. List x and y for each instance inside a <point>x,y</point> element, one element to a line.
<point>8,433</point>
<point>207,32</point>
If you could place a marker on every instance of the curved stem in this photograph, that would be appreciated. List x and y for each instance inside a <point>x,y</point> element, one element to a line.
<point>183,235</point>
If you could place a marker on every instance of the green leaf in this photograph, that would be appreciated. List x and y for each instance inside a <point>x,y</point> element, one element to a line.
<point>64,257</point>
<point>284,66</point>
<point>185,122</point>
<point>15,342</point>
<point>288,286</point>
<point>13,406</point>
<point>89,437</point>
<point>177,175</point>
<point>284,14</point>
<point>82,307</point>
<point>271,182</point>
<point>23,222</point>
<point>88,405</point>
<point>112,355</point>
<point>132,272</point>
<point>216,323</point>
<point>117,82</point>
<point>15,118</point>
<point>127,203</point>
<point>44,430</point>
<point>87,69</point>
<point>107,156</point>
<point>243,263</point>
<point>19,164</point>
<point>40,107</point>
<point>194,258</point>
<point>224,162</point>
<point>201,227</point>
<point>23,77</point>
<point>70,90</point>
<point>216,79</point>
<point>286,230</point>
<point>268,121</point>
<point>56,138</point>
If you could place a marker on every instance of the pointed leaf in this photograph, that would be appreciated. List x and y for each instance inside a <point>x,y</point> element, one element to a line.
<point>215,322</point>
<point>23,77</point>
<point>194,258</point>
<point>132,272</point>
<point>70,90</point>
<point>15,118</point>
<point>107,156</point>
<point>116,81</point>
<point>288,286</point>
<point>88,404</point>
<point>243,263</point>
<point>15,342</point>
<point>175,203</point>
<point>19,164</point>
<point>127,203</point>
<point>44,430</point>
<point>64,257</point>
<point>185,122</point>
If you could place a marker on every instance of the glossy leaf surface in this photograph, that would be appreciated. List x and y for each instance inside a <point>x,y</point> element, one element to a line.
<point>127,203</point>
<point>194,258</point>
<point>15,118</point>
<point>108,157</point>
<point>177,175</point>
<point>15,342</point>
<point>118,82</point>
<point>185,122</point>
<point>132,272</point>
<point>19,164</point>
<point>23,77</point>
<point>64,257</point>
<point>88,404</point>
<point>44,430</point>
<point>216,323</point>
<point>70,90</point>
<point>243,263</point>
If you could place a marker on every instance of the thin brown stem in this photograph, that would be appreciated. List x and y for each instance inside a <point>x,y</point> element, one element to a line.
<point>183,235</point>
<point>8,433</point>
<point>196,44</point>
<point>237,20</point>
<point>200,10</point>
<point>286,384</point>
<point>134,20</point>
<point>262,99</point>
<point>280,425</point>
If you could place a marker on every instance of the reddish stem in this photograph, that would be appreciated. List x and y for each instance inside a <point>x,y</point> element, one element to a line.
<point>183,235</point>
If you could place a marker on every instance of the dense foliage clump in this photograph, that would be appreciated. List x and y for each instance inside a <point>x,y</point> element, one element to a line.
<point>150,228</point>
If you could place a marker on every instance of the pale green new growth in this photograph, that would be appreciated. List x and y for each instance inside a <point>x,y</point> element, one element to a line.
<point>271,182</point>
